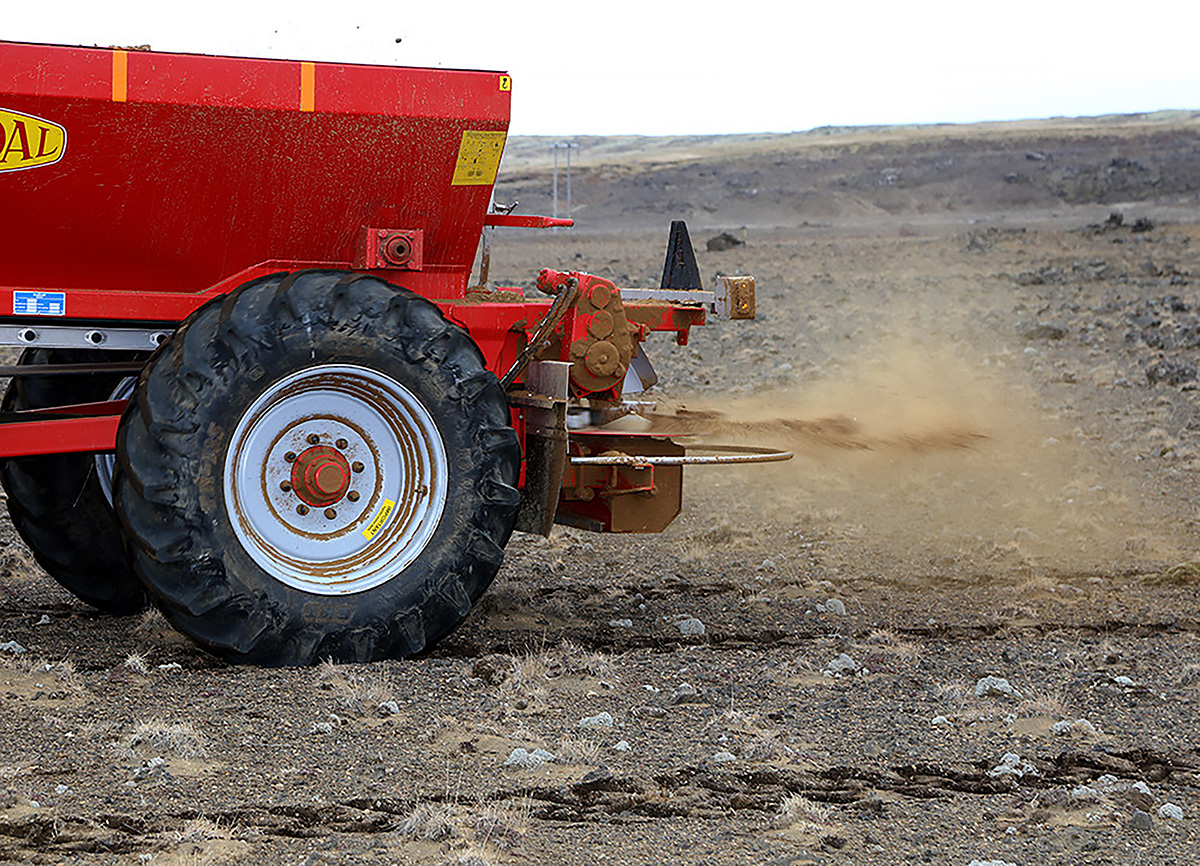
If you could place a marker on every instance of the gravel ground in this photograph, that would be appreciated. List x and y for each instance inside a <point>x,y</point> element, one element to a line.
<point>960,626</point>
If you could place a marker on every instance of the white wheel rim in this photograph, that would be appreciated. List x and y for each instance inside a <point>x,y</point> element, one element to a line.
<point>106,461</point>
<point>392,489</point>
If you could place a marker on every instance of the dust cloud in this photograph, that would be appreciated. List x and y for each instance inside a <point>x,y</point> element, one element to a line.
<point>928,458</point>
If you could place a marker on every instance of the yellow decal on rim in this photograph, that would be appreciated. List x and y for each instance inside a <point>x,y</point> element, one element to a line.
<point>505,82</point>
<point>478,158</point>
<point>377,522</point>
<point>29,142</point>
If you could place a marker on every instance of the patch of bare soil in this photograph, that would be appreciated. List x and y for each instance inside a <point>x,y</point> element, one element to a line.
<point>993,410</point>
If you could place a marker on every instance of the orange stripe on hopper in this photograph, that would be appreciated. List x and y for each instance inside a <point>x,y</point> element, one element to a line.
<point>308,86</point>
<point>120,76</point>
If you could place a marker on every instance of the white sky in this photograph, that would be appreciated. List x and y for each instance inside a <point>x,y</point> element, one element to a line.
<point>615,67</point>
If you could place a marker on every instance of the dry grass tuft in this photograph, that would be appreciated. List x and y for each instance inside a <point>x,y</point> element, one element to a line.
<point>799,812</point>
<point>1190,676</point>
<point>199,830</point>
<point>504,827</point>
<point>176,738</point>
<point>571,658</point>
<point>136,663</point>
<point>581,751</point>
<point>430,821</point>
<point>1183,574</point>
<point>356,691</point>
<point>152,623</point>
<point>955,692</point>
<point>1052,705</point>
<point>62,672</point>
<point>471,857</point>
<point>886,640</point>
<point>695,549</point>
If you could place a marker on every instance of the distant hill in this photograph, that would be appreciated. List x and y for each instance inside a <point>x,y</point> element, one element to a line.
<point>839,172</point>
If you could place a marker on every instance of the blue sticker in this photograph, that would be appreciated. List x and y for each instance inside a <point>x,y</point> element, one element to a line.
<point>39,303</point>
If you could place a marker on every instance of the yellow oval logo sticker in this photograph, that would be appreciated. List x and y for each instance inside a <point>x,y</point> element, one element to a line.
<point>29,142</point>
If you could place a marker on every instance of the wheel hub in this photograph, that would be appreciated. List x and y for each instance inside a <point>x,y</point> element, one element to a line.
<point>320,476</point>
<point>335,478</point>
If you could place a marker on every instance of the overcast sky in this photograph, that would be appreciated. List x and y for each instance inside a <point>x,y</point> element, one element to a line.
<point>617,67</point>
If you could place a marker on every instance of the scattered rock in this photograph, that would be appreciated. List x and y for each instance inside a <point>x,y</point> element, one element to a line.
<point>995,687</point>
<point>939,721</point>
<point>841,665</point>
<point>1141,821</point>
<point>321,728</point>
<point>11,646</point>
<point>621,623</point>
<point>600,774</point>
<point>832,606</point>
<point>1170,372</point>
<point>1170,811</point>
<point>1012,765</point>
<point>1109,787</point>
<point>723,757</point>
<point>1142,224</point>
<point>154,768</point>
<point>991,863</point>
<point>389,708</point>
<point>1079,727</point>
<point>978,242</point>
<point>622,746</point>
<point>45,620</point>
<point>600,720</point>
<point>690,626</point>
<point>686,693</point>
<point>527,760</point>
<point>723,241</point>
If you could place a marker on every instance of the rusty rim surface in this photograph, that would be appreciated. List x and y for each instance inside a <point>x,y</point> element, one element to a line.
<point>335,479</point>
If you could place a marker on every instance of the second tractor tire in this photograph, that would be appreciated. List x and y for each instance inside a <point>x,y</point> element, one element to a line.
<point>58,503</point>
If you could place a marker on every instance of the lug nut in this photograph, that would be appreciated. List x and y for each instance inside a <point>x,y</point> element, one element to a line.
<point>285,486</point>
<point>290,457</point>
<point>302,509</point>
<point>352,496</point>
<point>313,439</point>
<point>330,513</point>
<point>342,444</point>
<point>356,466</point>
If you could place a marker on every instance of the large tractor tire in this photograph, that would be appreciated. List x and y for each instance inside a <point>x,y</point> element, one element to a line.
<point>317,466</point>
<point>60,504</point>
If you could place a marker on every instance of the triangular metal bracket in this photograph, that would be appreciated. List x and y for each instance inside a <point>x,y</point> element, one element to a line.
<point>680,270</point>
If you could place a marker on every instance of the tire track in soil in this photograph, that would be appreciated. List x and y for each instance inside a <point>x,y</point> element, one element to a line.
<point>602,797</point>
<point>611,642</point>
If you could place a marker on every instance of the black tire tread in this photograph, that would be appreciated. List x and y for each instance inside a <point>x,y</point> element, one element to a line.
<point>56,502</point>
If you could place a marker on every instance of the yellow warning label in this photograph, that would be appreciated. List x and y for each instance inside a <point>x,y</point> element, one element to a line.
<point>478,158</point>
<point>27,141</point>
<point>381,518</point>
<point>505,82</point>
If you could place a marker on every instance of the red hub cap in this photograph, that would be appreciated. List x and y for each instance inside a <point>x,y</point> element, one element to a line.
<point>320,476</point>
